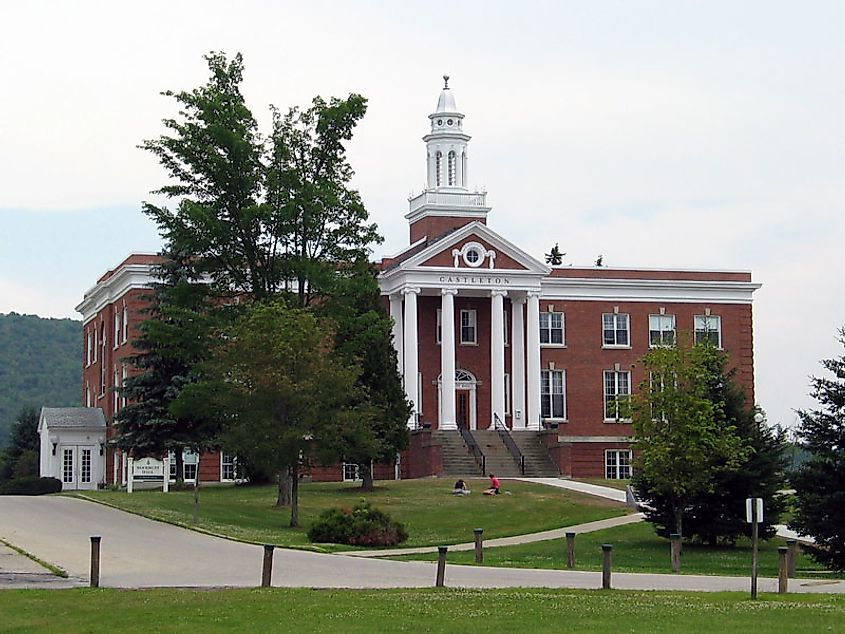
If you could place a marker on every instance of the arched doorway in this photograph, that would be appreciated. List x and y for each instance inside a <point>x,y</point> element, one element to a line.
<point>466,389</point>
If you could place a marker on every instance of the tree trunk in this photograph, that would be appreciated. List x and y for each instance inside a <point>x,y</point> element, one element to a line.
<point>180,465</point>
<point>366,477</point>
<point>294,497</point>
<point>283,497</point>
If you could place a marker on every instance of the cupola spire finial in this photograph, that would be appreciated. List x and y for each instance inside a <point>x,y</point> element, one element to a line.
<point>445,82</point>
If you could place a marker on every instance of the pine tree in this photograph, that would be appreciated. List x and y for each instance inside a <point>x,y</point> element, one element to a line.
<point>820,481</point>
<point>20,457</point>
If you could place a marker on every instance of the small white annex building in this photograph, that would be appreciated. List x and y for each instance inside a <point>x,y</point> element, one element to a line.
<point>73,446</point>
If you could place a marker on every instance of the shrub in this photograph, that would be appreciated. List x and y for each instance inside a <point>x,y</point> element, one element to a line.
<point>31,485</point>
<point>361,526</point>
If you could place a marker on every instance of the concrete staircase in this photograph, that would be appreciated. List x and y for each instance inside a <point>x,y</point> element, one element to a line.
<point>458,460</point>
<point>538,462</point>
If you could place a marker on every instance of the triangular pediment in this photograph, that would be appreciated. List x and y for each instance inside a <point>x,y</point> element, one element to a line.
<point>474,247</point>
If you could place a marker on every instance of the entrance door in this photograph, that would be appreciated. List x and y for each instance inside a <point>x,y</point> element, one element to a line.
<point>462,408</point>
<point>77,467</point>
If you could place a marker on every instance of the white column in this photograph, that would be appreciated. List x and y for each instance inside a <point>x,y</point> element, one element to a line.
<point>447,359</point>
<point>497,355</point>
<point>410,350</point>
<point>518,363</point>
<point>396,315</point>
<point>533,420</point>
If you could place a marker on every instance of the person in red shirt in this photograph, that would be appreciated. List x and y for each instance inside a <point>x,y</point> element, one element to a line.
<point>494,486</point>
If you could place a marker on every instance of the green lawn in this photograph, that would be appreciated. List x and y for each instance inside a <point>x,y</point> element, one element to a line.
<point>351,611</point>
<point>637,549</point>
<point>430,513</point>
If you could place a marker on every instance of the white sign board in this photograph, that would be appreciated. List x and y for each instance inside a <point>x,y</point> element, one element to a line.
<point>147,468</point>
<point>759,503</point>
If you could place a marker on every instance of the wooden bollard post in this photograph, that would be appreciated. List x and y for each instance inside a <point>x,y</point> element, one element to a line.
<point>675,542</point>
<point>607,562</point>
<point>441,566</point>
<point>791,556</point>
<point>95,561</point>
<point>783,567</point>
<point>570,550</point>
<point>267,567</point>
<point>479,548</point>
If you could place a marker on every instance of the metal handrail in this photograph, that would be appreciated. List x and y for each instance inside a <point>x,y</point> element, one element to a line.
<point>480,458</point>
<point>505,435</point>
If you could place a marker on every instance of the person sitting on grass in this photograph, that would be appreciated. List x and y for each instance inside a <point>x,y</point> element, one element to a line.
<point>460,488</point>
<point>494,486</point>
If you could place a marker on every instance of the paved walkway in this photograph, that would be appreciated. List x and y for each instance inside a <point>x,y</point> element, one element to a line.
<point>556,533</point>
<point>20,571</point>
<point>137,552</point>
<point>581,487</point>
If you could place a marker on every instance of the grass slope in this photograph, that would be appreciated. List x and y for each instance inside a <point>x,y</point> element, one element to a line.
<point>637,549</point>
<point>430,513</point>
<point>41,365</point>
<point>351,611</point>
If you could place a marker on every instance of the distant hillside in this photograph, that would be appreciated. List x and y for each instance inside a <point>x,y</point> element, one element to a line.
<point>40,364</point>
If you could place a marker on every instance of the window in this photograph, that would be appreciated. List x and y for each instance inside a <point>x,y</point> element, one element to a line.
<point>507,394</point>
<point>468,321</point>
<point>505,326</point>
<point>228,467</point>
<point>661,330</point>
<point>94,359</point>
<point>617,390</point>
<point>553,394</point>
<point>67,465</point>
<point>190,464</point>
<point>617,464</point>
<point>88,402</point>
<point>125,324</point>
<point>85,466</point>
<point>439,331</point>
<point>90,355</point>
<point>615,330</point>
<point>708,328</point>
<point>115,389</point>
<point>123,384</point>
<point>451,167</point>
<point>351,472</point>
<point>551,329</point>
<point>116,329</point>
<point>438,166</point>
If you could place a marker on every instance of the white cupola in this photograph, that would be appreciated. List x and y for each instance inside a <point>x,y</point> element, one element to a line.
<point>446,195</point>
<point>446,144</point>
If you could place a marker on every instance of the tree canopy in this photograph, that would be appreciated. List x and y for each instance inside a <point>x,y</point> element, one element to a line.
<point>682,435</point>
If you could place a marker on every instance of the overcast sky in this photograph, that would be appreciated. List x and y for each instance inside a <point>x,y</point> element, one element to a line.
<point>659,134</point>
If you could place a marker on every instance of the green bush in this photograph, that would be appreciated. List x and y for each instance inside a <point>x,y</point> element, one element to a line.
<point>31,485</point>
<point>361,526</point>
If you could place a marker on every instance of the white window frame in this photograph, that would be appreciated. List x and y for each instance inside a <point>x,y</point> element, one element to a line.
<point>547,395</point>
<point>351,472</point>
<point>438,330</point>
<point>506,329</point>
<point>472,319</point>
<point>125,324</point>
<point>661,321</point>
<point>231,463</point>
<point>90,357</point>
<point>117,330</point>
<point>116,400</point>
<point>708,324</point>
<point>124,376</point>
<point>615,396</point>
<point>549,329</point>
<point>614,467</point>
<point>616,317</point>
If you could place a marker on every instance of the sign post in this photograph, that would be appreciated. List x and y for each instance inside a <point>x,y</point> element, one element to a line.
<point>754,515</point>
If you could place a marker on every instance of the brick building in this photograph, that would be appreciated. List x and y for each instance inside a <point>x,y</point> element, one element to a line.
<point>487,335</point>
